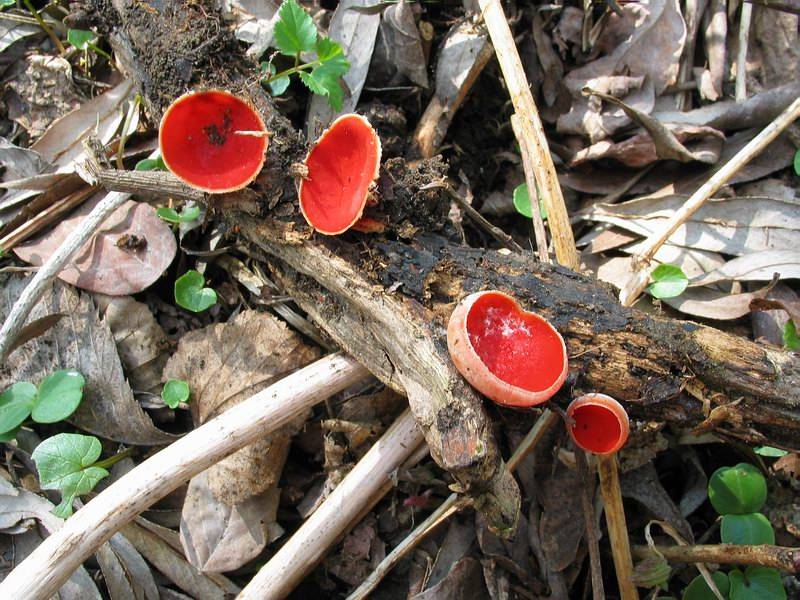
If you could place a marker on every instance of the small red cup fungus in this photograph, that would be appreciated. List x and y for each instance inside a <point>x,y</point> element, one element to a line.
<point>213,141</point>
<point>339,175</point>
<point>600,423</point>
<point>514,357</point>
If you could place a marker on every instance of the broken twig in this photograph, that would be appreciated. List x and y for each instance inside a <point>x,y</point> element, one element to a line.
<point>765,555</point>
<point>369,480</point>
<point>541,168</point>
<point>44,571</point>
<point>449,507</point>
<point>641,272</point>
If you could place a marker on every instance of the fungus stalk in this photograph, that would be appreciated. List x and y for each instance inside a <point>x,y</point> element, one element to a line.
<point>599,424</point>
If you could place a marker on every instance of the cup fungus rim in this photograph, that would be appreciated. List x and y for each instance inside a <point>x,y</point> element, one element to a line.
<point>613,406</point>
<point>262,127</point>
<point>505,393</point>
<point>374,176</point>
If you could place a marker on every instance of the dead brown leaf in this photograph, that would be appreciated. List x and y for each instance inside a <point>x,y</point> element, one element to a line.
<point>561,532</point>
<point>217,537</point>
<point>82,342</point>
<point>41,91</point>
<point>702,144</point>
<point>645,41</point>
<point>224,364</point>
<point>141,343</point>
<point>101,265</point>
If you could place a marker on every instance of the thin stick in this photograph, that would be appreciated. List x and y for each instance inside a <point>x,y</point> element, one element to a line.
<point>360,487</point>
<point>53,266</point>
<point>778,557</point>
<point>592,538</point>
<point>45,218</point>
<point>617,529</point>
<point>45,570</point>
<point>741,58</point>
<point>641,275</point>
<point>539,232</point>
<point>497,233</point>
<point>542,169</point>
<point>449,507</point>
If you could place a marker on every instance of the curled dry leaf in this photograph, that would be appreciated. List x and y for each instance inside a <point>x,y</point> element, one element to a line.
<point>41,91</point>
<point>702,144</point>
<point>125,572</point>
<point>223,365</point>
<point>758,266</point>
<point>217,537</point>
<point>734,226</point>
<point>398,49</point>
<point>465,580</point>
<point>642,484</point>
<point>254,21</point>
<point>652,35</point>
<point>161,547</point>
<point>82,342</point>
<point>462,56</point>
<point>101,116</point>
<point>24,519</point>
<point>105,264</point>
<point>141,343</point>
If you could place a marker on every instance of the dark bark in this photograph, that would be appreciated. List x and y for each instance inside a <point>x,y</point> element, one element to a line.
<point>386,299</point>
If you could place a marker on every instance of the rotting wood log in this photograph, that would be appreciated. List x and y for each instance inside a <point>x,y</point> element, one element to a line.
<point>385,299</point>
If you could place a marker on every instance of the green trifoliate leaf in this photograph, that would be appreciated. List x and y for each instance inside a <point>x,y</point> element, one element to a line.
<point>769,451</point>
<point>753,529</point>
<point>16,403</point>
<point>698,588</point>
<point>80,38</point>
<point>522,202</point>
<point>668,281</point>
<point>189,213</point>
<point>756,583</point>
<point>59,396</point>
<point>294,32</point>
<point>64,462</point>
<point>791,340</point>
<point>190,293</point>
<point>797,162</point>
<point>175,391</point>
<point>738,490</point>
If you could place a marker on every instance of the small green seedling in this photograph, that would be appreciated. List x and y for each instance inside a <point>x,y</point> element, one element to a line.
<point>190,293</point>
<point>668,281</point>
<point>296,34</point>
<point>56,398</point>
<point>738,493</point>
<point>791,341</point>
<point>68,462</point>
<point>522,202</point>
<point>84,40</point>
<point>190,212</point>
<point>769,451</point>
<point>175,392</point>
<point>150,164</point>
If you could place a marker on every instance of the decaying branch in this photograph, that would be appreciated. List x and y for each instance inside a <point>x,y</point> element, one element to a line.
<point>386,299</point>
<point>765,555</point>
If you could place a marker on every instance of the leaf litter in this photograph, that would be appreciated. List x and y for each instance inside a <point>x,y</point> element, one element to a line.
<point>638,104</point>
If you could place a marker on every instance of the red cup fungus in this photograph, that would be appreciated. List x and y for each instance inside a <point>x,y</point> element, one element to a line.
<point>213,141</point>
<point>600,423</point>
<point>514,357</point>
<point>339,173</point>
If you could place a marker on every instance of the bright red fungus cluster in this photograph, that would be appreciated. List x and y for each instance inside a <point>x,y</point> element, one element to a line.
<point>213,141</point>
<point>340,171</point>
<point>514,357</point>
<point>600,423</point>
